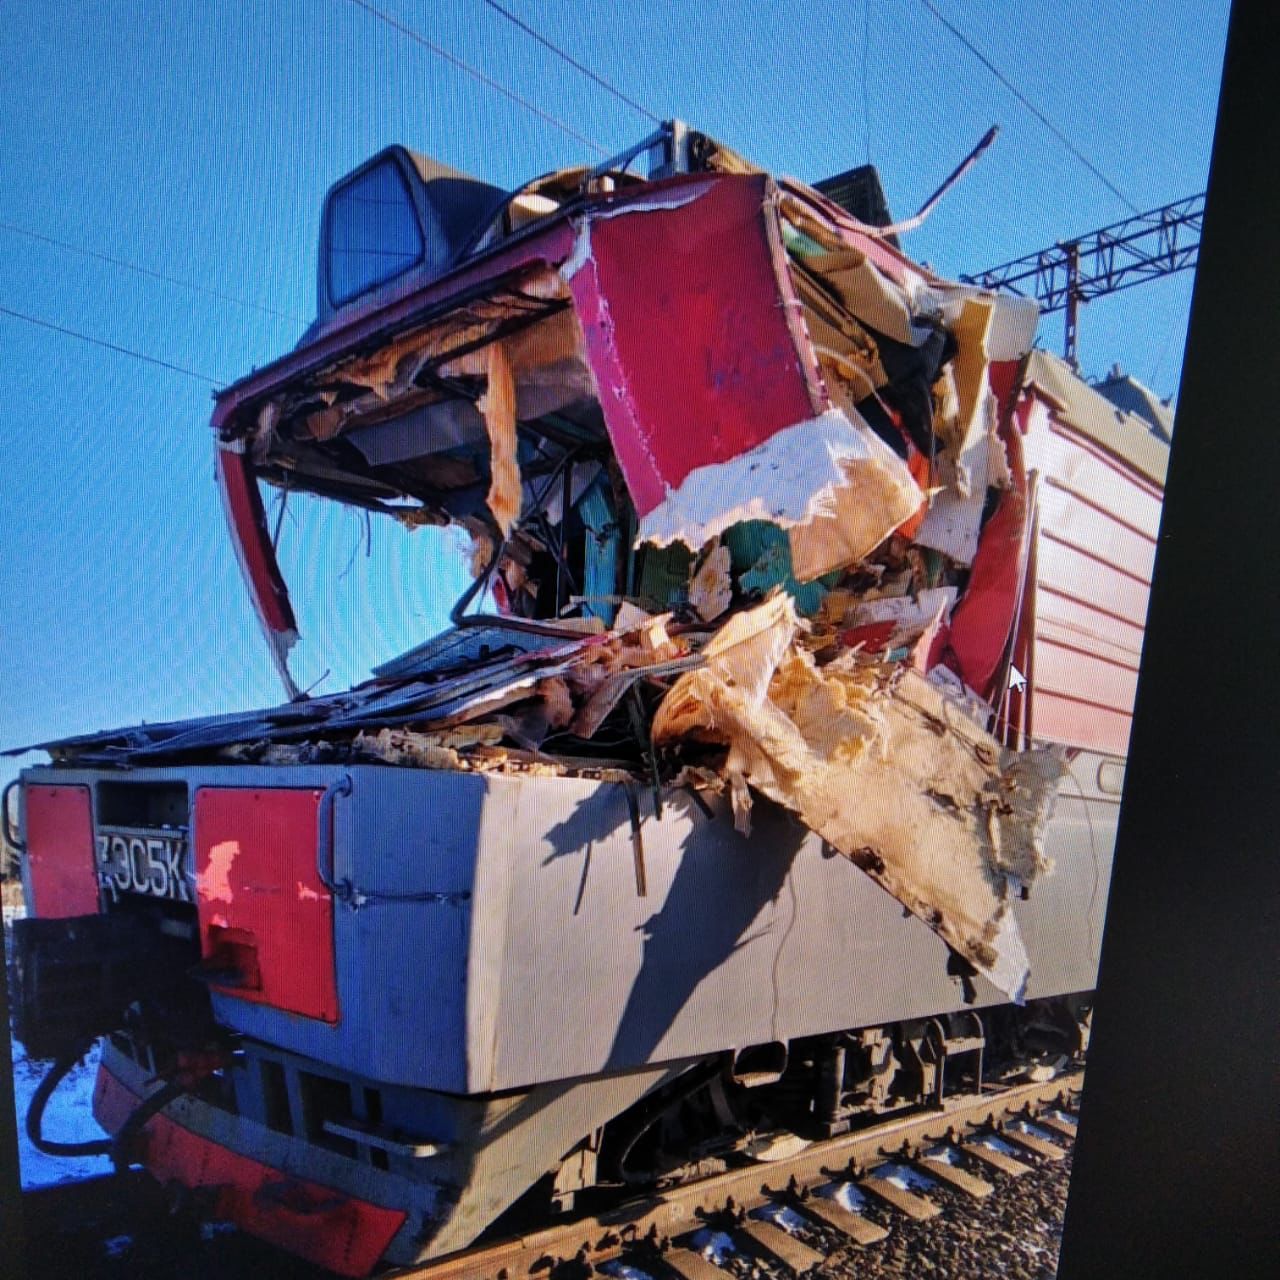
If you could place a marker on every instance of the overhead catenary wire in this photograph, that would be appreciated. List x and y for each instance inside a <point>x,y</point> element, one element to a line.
<point>138,269</point>
<point>573,62</point>
<point>1031,106</point>
<point>477,74</point>
<point>866,70</point>
<point>111,346</point>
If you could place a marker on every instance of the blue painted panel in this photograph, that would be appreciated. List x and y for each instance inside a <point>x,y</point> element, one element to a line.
<point>603,549</point>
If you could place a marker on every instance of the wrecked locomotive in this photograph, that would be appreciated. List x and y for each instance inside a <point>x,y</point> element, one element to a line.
<point>775,790</point>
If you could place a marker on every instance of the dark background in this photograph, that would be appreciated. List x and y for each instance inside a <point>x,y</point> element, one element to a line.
<point>1177,1164</point>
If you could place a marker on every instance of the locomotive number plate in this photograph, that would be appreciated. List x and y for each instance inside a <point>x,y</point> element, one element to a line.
<point>145,862</point>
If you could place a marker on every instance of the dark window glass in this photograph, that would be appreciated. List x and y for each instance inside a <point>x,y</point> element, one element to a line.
<point>373,232</point>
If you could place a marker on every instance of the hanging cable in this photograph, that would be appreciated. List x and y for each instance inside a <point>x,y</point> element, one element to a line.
<point>111,346</point>
<point>1031,106</point>
<point>573,62</point>
<point>866,93</point>
<point>60,1069</point>
<point>484,79</point>
<point>147,271</point>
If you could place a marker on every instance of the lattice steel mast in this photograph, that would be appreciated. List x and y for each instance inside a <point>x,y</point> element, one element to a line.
<point>1145,247</point>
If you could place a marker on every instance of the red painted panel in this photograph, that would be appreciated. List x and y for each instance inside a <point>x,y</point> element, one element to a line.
<point>315,1222</point>
<point>1067,572</point>
<point>1004,377</point>
<point>1065,516</point>
<point>64,878</point>
<point>983,621</point>
<point>262,907</point>
<point>248,522</point>
<point>1087,624</point>
<point>1086,676</point>
<point>1052,631</point>
<point>1079,724</point>
<point>683,310</point>
<point>1105,482</point>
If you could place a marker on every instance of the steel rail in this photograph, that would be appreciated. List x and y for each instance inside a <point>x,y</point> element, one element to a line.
<point>656,1220</point>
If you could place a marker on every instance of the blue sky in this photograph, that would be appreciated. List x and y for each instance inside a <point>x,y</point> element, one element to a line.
<point>197,142</point>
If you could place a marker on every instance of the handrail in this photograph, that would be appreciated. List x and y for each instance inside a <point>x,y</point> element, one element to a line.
<point>11,836</point>
<point>325,838</point>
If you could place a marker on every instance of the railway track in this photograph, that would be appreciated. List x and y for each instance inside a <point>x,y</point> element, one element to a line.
<point>792,1214</point>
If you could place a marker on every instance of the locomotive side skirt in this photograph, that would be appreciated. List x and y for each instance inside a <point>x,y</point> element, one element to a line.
<point>471,954</point>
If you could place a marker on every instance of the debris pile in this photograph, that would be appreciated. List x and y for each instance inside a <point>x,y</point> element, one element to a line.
<point>774,470</point>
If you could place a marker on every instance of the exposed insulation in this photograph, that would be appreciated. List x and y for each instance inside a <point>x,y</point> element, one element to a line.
<point>969,371</point>
<point>876,760</point>
<point>498,406</point>
<point>877,496</point>
<point>974,458</point>
<point>796,478</point>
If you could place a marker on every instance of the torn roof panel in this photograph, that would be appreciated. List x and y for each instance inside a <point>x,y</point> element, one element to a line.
<point>709,380</point>
<point>685,315</point>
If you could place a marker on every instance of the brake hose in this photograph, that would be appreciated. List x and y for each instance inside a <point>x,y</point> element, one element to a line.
<point>118,1147</point>
<point>40,1099</point>
<point>138,1117</point>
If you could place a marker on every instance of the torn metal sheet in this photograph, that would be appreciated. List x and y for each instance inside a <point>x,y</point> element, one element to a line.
<point>983,621</point>
<point>242,505</point>
<point>876,760</point>
<point>863,290</point>
<point>969,380</point>
<point>710,591</point>
<point>974,459</point>
<point>898,620</point>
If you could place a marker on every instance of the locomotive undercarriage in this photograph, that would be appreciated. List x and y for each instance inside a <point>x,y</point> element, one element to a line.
<point>467,1167</point>
<point>766,1102</point>
<point>459,1166</point>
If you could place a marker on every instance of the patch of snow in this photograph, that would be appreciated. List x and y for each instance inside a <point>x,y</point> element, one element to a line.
<point>992,1143</point>
<point>904,1177</point>
<point>844,1194</point>
<point>623,1270</point>
<point>781,1215</point>
<point>67,1118</point>
<point>944,1155</point>
<point>715,1246</point>
<point>1033,1130</point>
